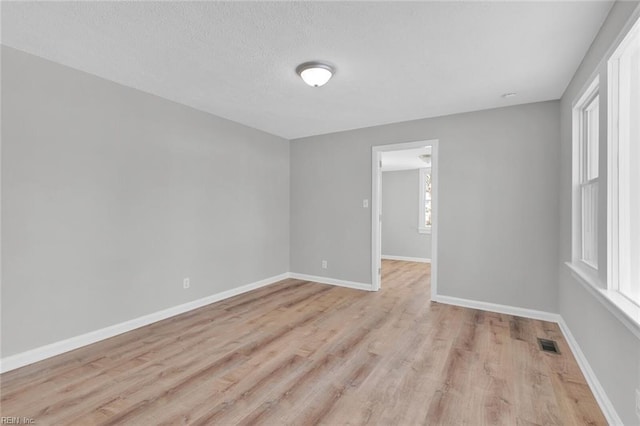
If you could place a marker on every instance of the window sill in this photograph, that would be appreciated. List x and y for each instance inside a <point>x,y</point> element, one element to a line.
<point>424,230</point>
<point>623,309</point>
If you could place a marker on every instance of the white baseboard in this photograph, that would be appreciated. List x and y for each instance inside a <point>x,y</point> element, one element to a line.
<point>38,354</point>
<point>332,281</point>
<point>501,309</point>
<point>406,259</point>
<point>43,352</point>
<point>598,392</point>
<point>592,380</point>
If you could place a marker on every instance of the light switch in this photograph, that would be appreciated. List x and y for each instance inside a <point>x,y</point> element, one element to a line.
<point>365,203</point>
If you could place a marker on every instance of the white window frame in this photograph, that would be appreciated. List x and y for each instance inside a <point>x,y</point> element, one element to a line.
<point>422,228</point>
<point>614,178</point>
<point>627,312</point>
<point>579,181</point>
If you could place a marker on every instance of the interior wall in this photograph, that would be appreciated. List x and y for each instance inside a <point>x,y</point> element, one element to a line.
<point>111,196</point>
<point>400,206</point>
<point>498,175</point>
<point>612,350</point>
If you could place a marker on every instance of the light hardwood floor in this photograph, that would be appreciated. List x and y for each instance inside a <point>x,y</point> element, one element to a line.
<point>305,353</point>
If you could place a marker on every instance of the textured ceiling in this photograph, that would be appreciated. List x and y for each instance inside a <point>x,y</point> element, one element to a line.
<point>406,159</point>
<point>395,61</point>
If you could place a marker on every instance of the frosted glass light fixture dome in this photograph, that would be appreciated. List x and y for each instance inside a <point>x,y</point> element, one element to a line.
<point>315,74</point>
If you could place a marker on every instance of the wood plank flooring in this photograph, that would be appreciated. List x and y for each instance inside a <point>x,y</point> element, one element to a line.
<point>305,353</point>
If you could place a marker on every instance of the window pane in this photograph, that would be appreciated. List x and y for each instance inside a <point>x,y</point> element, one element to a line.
<point>589,195</point>
<point>427,200</point>
<point>591,128</point>
<point>586,116</point>
<point>629,171</point>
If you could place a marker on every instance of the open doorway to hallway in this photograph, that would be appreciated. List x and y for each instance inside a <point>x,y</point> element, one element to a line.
<point>404,207</point>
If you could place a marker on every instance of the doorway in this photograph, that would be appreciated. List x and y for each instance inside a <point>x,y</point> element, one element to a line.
<point>428,148</point>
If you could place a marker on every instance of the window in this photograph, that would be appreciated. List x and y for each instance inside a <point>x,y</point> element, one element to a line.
<point>424,221</point>
<point>585,177</point>
<point>624,167</point>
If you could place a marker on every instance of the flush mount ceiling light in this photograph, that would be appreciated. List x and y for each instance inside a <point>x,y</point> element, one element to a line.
<point>315,74</point>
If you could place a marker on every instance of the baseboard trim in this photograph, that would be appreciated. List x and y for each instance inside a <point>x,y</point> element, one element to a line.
<point>38,354</point>
<point>331,281</point>
<point>406,259</point>
<point>43,352</point>
<point>494,307</point>
<point>598,391</point>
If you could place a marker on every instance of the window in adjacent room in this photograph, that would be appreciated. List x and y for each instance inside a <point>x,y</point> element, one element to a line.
<point>585,178</point>
<point>624,167</point>
<point>424,221</point>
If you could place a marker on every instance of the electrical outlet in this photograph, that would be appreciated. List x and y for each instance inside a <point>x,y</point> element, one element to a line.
<point>365,203</point>
<point>185,283</point>
<point>638,403</point>
<point>324,264</point>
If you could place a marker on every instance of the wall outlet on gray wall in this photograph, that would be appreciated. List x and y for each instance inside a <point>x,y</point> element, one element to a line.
<point>324,264</point>
<point>186,283</point>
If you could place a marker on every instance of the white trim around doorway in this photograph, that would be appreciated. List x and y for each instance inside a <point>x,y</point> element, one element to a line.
<point>376,232</point>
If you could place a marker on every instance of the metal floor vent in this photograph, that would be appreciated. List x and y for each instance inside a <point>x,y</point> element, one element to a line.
<point>548,345</point>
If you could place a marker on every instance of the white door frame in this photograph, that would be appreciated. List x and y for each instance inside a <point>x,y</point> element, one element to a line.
<point>376,207</point>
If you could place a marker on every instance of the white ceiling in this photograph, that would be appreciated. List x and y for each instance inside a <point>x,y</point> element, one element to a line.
<point>406,159</point>
<point>395,61</point>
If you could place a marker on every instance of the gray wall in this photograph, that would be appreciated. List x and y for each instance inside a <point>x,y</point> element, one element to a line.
<point>611,349</point>
<point>498,192</point>
<point>110,197</point>
<point>400,201</point>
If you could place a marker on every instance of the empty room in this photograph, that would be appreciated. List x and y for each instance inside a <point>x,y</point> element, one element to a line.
<point>320,212</point>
